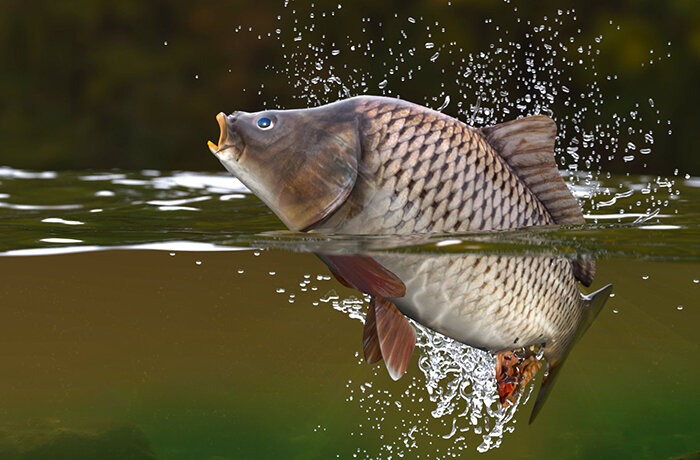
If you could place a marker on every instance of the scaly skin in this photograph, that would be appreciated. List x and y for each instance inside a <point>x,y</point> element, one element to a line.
<point>422,171</point>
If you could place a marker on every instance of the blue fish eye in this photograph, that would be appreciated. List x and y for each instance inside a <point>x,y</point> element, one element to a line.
<point>264,123</point>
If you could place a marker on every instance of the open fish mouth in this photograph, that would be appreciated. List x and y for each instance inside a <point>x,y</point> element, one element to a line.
<point>223,134</point>
<point>227,139</point>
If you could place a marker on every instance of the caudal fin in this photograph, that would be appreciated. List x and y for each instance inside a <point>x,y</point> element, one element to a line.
<point>594,304</point>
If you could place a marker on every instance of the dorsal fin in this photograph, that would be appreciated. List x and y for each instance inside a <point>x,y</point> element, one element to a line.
<point>527,145</point>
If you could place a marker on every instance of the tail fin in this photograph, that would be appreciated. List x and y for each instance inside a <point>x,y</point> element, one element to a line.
<point>593,303</point>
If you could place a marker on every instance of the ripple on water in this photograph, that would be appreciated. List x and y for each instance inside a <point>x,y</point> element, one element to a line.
<point>160,208</point>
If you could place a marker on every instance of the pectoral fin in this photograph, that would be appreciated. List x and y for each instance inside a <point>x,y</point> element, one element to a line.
<point>396,337</point>
<point>364,274</point>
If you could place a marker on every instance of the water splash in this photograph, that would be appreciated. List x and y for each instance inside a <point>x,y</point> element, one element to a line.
<point>551,69</point>
<point>457,380</point>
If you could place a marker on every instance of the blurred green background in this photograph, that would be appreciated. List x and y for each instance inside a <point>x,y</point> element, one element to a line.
<point>91,84</point>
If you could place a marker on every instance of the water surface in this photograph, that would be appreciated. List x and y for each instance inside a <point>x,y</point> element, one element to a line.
<point>167,315</point>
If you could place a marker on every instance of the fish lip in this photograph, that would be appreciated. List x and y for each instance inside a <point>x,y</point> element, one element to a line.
<point>227,140</point>
<point>223,129</point>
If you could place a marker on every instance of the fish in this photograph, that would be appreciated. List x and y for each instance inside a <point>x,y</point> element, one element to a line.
<point>384,166</point>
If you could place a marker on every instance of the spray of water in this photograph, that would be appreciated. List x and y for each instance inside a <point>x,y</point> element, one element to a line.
<point>458,405</point>
<point>550,69</point>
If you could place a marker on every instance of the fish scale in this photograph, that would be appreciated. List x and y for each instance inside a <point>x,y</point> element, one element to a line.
<point>423,171</point>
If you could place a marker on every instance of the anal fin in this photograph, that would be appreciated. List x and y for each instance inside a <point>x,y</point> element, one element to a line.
<point>396,337</point>
<point>584,271</point>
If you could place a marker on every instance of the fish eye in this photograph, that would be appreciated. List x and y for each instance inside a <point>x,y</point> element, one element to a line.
<point>264,123</point>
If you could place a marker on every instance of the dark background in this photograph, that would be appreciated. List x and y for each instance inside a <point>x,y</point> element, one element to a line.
<point>90,84</point>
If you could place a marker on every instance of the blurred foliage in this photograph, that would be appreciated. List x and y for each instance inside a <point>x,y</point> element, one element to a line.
<point>91,83</point>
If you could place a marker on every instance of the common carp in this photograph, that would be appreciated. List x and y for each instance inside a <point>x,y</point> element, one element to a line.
<point>376,165</point>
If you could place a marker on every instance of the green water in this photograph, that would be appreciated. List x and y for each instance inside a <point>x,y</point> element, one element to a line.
<point>167,316</point>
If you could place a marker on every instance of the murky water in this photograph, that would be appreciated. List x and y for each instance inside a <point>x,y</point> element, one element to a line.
<point>168,315</point>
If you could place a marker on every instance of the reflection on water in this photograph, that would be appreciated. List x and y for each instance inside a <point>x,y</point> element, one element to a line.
<point>117,209</point>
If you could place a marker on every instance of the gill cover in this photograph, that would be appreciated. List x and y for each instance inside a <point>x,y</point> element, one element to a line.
<point>304,167</point>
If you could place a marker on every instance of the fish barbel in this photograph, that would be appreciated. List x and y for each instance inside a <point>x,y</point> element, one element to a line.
<point>375,165</point>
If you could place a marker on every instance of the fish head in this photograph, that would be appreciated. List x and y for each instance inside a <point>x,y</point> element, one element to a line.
<point>301,163</point>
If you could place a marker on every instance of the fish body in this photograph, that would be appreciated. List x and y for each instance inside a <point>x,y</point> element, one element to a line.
<point>422,171</point>
<point>375,165</point>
